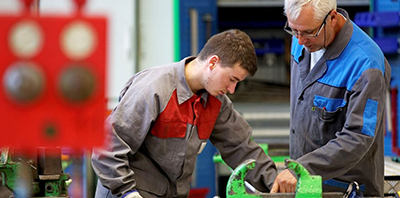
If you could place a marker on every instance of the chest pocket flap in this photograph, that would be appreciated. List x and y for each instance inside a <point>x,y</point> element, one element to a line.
<point>329,104</point>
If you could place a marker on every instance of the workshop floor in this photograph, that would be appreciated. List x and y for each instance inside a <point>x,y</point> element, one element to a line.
<point>392,175</point>
<point>392,168</point>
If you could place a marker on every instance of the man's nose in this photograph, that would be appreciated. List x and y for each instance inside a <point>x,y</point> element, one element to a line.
<point>231,88</point>
<point>301,39</point>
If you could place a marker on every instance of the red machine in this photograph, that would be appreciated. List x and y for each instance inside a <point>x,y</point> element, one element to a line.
<point>395,142</point>
<point>52,72</point>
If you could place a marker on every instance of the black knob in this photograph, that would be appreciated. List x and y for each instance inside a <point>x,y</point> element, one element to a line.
<point>77,83</point>
<point>23,82</point>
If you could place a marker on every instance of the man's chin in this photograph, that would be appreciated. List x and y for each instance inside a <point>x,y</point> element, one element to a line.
<point>308,49</point>
<point>221,93</point>
<point>216,94</point>
<point>311,49</point>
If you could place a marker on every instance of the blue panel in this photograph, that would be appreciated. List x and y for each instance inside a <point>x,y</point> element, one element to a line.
<point>386,5</point>
<point>369,118</point>
<point>377,19</point>
<point>205,170</point>
<point>203,8</point>
<point>388,145</point>
<point>271,45</point>
<point>388,45</point>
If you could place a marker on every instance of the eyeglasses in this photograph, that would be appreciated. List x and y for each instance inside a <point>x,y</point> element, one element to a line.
<point>296,33</point>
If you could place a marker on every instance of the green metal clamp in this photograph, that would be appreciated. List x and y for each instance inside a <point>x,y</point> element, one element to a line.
<point>308,186</point>
<point>40,185</point>
<point>236,187</point>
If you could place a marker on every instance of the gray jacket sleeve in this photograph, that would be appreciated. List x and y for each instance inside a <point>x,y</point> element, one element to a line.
<point>126,129</point>
<point>232,137</point>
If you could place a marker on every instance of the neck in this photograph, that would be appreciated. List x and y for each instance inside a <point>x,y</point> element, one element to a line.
<point>341,22</point>
<point>336,29</point>
<point>193,75</point>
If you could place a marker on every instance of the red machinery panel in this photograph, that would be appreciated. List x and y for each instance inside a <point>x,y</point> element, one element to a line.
<point>52,72</point>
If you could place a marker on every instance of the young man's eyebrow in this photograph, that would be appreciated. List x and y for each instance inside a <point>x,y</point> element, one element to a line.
<point>237,79</point>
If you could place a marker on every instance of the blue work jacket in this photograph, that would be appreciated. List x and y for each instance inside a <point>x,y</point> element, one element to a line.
<point>338,111</point>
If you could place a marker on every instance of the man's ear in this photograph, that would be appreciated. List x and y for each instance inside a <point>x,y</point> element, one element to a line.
<point>333,18</point>
<point>212,61</point>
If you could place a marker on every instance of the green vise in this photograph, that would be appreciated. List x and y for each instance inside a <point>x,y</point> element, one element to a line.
<point>43,175</point>
<point>308,186</point>
<point>236,187</point>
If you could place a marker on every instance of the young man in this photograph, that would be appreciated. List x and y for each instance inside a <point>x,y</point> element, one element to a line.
<point>165,116</point>
<point>339,77</point>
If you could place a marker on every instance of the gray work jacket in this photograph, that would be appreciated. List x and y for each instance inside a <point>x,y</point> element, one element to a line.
<point>153,140</point>
<point>338,111</point>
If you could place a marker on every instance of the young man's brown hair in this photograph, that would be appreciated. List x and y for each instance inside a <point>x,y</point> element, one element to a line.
<point>232,46</point>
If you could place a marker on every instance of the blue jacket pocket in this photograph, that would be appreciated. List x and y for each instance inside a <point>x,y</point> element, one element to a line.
<point>329,104</point>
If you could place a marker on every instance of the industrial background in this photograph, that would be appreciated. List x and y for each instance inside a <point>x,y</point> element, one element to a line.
<point>138,34</point>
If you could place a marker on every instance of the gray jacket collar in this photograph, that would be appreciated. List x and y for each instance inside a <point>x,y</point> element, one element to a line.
<point>337,46</point>
<point>184,92</point>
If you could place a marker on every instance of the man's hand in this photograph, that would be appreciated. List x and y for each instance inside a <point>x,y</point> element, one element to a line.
<point>133,194</point>
<point>285,182</point>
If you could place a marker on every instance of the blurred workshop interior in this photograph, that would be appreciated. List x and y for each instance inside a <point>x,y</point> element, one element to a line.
<point>139,34</point>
